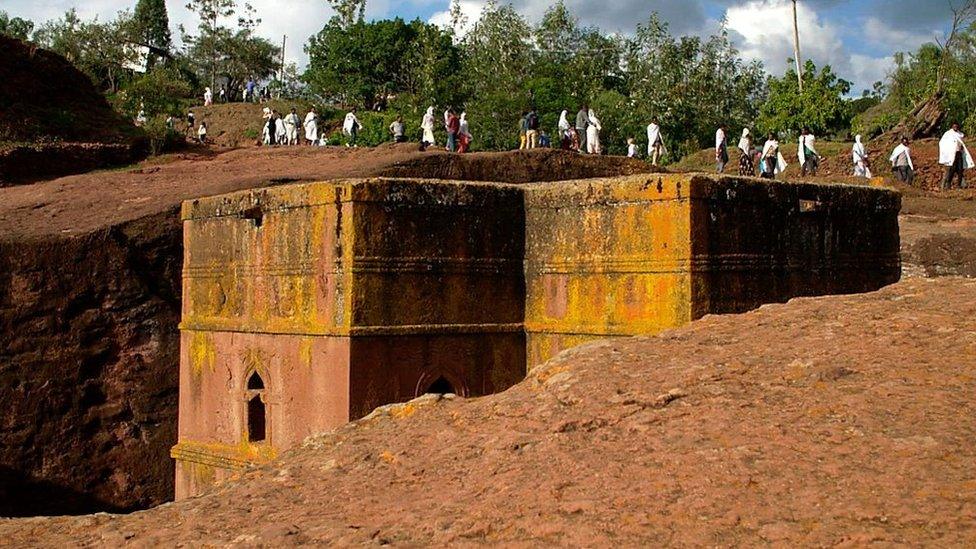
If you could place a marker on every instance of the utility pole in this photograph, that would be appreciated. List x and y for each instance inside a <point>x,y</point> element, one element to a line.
<point>281,73</point>
<point>796,48</point>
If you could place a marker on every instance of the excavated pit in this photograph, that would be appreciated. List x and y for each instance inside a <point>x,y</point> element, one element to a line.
<point>90,294</point>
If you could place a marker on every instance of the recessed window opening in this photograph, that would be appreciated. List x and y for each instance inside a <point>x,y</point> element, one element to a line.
<point>255,419</point>
<point>256,409</point>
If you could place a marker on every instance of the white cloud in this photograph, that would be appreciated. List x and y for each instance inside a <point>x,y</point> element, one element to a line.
<point>764,31</point>
<point>883,35</point>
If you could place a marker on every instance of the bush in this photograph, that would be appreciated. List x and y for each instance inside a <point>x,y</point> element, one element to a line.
<point>161,137</point>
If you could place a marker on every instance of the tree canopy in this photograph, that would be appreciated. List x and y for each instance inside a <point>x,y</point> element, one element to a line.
<point>821,105</point>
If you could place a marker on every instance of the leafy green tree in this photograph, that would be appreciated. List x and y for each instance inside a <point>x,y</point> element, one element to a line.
<point>159,92</point>
<point>349,12</point>
<point>365,63</point>
<point>821,106</point>
<point>100,50</point>
<point>497,72</point>
<point>207,44</point>
<point>236,54</point>
<point>150,27</point>
<point>689,84</point>
<point>15,27</point>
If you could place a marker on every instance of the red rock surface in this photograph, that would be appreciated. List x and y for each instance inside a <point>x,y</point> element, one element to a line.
<point>831,421</point>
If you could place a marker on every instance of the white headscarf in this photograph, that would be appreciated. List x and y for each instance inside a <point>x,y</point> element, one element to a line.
<point>349,122</point>
<point>745,144</point>
<point>719,138</point>
<point>902,149</point>
<point>564,121</point>
<point>594,121</point>
<point>428,123</point>
<point>859,152</point>
<point>463,126</point>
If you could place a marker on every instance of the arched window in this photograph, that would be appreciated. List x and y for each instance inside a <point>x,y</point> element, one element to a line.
<point>441,386</point>
<point>256,409</point>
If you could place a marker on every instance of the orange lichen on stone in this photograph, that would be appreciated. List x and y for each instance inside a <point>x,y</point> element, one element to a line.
<point>351,295</point>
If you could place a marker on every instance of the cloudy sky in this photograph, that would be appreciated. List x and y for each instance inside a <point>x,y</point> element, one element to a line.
<point>857,37</point>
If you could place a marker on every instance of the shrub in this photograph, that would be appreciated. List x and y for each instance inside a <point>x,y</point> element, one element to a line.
<point>161,137</point>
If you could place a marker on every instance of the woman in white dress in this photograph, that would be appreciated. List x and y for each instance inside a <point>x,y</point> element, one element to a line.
<point>593,135</point>
<point>312,127</point>
<point>428,126</point>
<point>860,157</point>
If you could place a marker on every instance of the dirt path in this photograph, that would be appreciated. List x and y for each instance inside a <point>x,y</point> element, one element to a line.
<point>838,420</point>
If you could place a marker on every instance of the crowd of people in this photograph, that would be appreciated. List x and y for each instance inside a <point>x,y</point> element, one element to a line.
<point>583,135</point>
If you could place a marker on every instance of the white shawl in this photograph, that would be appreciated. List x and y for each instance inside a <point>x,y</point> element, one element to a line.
<point>564,121</point>
<point>349,123</point>
<point>428,123</point>
<point>594,121</point>
<point>899,150</point>
<point>463,128</point>
<point>745,144</point>
<point>947,149</point>
<point>809,141</point>
<point>311,126</point>
<point>780,161</point>
<point>653,135</point>
<point>859,152</point>
<point>719,138</point>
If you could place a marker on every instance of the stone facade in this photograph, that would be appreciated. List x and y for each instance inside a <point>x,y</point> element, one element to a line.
<point>307,306</point>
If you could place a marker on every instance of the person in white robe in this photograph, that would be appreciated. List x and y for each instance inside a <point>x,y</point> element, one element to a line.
<point>655,143</point>
<point>593,134</point>
<point>350,127</point>
<point>807,153</point>
<point>631,148</point>
<point>721,149</point>
<point>281,131</point>
<point>311,125</point>
<point>266,135</point>
<point>773,162</point>
<point>954,155</point>
<point>428,126</point>
<point>207,97</point>
<point>859,154</point>
<point>901,162</point>
<point>291,125</point>
<point>563,127</point>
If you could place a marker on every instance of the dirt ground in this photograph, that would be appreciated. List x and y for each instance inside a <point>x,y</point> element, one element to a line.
<point>79,204</point>
<point>736,430</point>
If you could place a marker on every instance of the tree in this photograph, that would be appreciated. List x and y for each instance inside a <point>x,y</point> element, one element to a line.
<point>496,73</point>
<point>211,32</point>
<point>927,116</point>
<point>150,27</point>
<point>365,63</point>
<point>15,27</point>
<point>349,12</point>
<point>821,105</point>
<point>689,85</point>
<point>235,54</point>
<point>100,50</point>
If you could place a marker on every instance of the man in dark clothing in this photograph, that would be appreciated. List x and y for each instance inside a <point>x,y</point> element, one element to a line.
<point>582,122</point>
